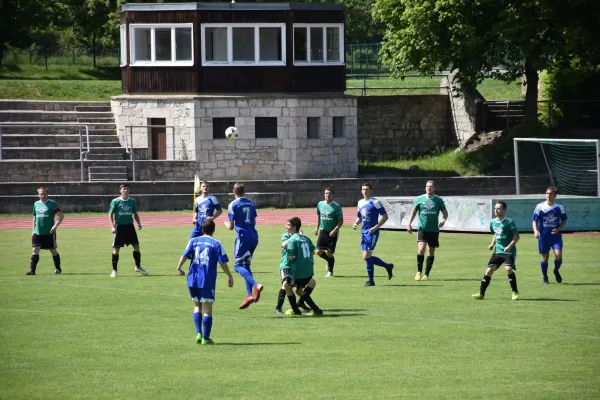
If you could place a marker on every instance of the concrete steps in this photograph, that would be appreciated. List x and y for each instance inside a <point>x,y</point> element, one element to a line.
<point>57,141</point>
<point>109,173</point>
<point>41,105</point>
<point>55,116</point>
<point>107,153</point>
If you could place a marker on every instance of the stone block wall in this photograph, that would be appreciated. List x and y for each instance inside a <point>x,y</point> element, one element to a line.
<point>391,127</point>
<point>291,155</point>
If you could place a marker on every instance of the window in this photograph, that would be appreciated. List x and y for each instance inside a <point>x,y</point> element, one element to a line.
<point>313,124</point>
<point>220,125</point>
<point>266,127</point>
<point>243,44</point>
<point>161,44</point>
<point>123,45</point>
<point>318,44</point>
<point>338,127</point>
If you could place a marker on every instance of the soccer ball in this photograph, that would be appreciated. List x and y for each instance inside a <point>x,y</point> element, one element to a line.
<point>232,133</point>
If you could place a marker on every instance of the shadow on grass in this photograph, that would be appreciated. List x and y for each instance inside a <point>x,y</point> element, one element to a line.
<point>414,285</point>
<point>366,172</point>
<point>257,344</point>
<point>581,284</point>
<point>460,280</point>
<point>543,299</point>
<point>14,72</point>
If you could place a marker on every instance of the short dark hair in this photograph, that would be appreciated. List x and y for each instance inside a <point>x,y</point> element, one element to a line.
<point>123,185</point>
<point>554,189</point>
<point>368,185</point>
<point>239,189</point>
<point>296,223</point>
<point>42,188</point>
<point>328,188</point>
<point>502,203</point>
<point>208,227</point>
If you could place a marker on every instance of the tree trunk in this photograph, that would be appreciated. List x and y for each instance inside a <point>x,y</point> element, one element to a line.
<point>532,78</point>
<point>1,51</point>
<point>94,49</point>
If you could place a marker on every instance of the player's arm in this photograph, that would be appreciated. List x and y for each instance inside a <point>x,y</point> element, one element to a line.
<point>512,243</point>
<point>534,226</point>
<point>216,215</point>
<point>225,269</point>
<point>411,217</point>
<point>195,218</point>
<point>357,222</point>
<point>111,219</point>
<point>59,216</point>
<point>335,230</point>
<point>382,221</point>
<point>228,224</point>
<point>491,246</point>
<point>182,260</point>
<point>444,218</point>
<point>318,224</point>
<point>136,216</point>
<point>33,227</point>
<point>559,228</point>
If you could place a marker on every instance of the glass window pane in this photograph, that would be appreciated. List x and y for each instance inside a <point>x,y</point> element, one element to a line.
<point>313,125</point>
<point>123,45</point>
<point>300,53</point>
<point>162,44</point>
<point>270,44</point>
<point>316,44</point>
<point>215,42</point>
<point>183,44</point>
<point>338,127</point>
<point>265,127</point>
<point>243,44</point>
<point>142,43</point>
<point>333,44</point>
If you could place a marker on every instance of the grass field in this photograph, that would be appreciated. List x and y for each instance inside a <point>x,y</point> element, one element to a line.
<point>83,335</point>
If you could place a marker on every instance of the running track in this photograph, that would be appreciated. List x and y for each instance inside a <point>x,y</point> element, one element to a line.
<point>271,217</point>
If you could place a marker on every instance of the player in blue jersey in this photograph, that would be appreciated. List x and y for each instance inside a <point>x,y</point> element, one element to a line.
<point>205,252</point>
<point>549,218</point>
<point>207,208</point>
<point>369,210</point>
<point>241,215</point>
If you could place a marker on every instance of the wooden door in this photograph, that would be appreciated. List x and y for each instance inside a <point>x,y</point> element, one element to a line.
<point>158,139</point>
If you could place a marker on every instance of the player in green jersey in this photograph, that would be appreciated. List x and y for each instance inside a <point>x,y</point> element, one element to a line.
<point>47,216</point>
<point>428,206</point>
<point>122,211</point>
<point>300,251</point>
<point>504,240</point>
<point>330,219</point>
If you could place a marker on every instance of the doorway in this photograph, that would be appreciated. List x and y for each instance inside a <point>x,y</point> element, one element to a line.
<point>158,139</point>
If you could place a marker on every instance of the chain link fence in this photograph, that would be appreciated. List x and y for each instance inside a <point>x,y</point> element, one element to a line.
<point>73,56</point>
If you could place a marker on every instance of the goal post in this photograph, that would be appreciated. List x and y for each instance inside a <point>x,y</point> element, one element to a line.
<point>572,165</point>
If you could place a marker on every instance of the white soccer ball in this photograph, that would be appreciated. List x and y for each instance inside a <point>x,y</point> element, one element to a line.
<point>232,133</point>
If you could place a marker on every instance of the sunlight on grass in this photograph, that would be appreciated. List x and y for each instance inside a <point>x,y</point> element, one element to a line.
<point>72,90</point>
<point>493,89</point>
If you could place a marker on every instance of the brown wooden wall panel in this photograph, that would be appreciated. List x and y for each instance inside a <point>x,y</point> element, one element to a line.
<point>319,79</point>
<point>163,17</point>
<point>318,17</point>
<point>244,79</point>
<point>213,17</point>
<point>161,80</point>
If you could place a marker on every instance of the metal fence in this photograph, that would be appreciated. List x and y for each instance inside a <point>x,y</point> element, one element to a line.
<point>62,56</point>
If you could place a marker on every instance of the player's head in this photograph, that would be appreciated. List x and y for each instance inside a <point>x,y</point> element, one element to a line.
<point>124,189</point>
<point>500,208</point>
<point>204,187</point>
<point>295,224</point>
<point>366,189</point>
<point>328,193</point>
<point>42,193</point>
<point>208,227</point>
<point>238,189</point>
<point>430,187</point>
<point>551,194</point>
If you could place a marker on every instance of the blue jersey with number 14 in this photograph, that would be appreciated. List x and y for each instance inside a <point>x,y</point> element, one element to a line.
<point>242,212</point>
<point>205,253</point>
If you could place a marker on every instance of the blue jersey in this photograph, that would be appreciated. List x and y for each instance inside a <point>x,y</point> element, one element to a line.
<point>242,212</point>
<point>369,211</point>
<point>205,253</point>
<point>205,207</point>
<point>549,217</point>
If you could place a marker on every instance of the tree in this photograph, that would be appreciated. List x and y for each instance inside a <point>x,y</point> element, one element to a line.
<point>504,39</point>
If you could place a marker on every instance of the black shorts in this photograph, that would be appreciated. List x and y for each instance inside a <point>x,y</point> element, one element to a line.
<point>432,238</point>
<point>326,242</point>
<point>498,259</point>
<point>125,236</point>
<point>285,275</point>
<point>45,242</point>
<point>300,282</point>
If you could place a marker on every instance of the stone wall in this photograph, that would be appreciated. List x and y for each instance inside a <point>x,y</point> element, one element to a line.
<point>391,127</point>
<point>291,155</point>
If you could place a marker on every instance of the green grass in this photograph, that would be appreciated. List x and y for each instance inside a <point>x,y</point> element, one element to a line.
<point>381,86</point>
<point>83,335</point>
<point>445,163</point>
<point>67,90</point>
<point>493,89</point>
<point>36,72</point>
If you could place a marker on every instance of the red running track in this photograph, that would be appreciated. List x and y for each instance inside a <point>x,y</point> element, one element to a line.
<point>271,217</point>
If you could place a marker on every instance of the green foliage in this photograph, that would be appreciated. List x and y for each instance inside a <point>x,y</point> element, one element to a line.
<point>495,89</point>
<point>85,335</point>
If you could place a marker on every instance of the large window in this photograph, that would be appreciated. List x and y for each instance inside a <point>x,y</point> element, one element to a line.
<point>318,44</point>
<point>123,48</point>
<point>243,44</point>
<point>161,44</point>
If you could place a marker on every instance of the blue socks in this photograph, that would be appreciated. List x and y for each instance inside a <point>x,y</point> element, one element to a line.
<point>379,262</point>
<point>247,275</point>
<point>207,325</point>
<point>544,267</point>
<point>369,262</point>
<point>557,264</point>
<point>197,319</point>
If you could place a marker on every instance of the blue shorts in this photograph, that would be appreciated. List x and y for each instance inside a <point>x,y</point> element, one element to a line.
<point>545,243</point>
<point>200,295</point>
<point>368,241</point>
<point>196,233</point>
<point>243,249</point>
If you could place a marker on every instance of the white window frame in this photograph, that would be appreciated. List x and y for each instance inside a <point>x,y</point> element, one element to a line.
<point>153,62</point>
<point>324,61</point>
<point>123,35</point>
<point>230,62</point>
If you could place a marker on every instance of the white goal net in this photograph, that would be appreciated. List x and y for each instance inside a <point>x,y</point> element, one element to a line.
<point>569,164</point>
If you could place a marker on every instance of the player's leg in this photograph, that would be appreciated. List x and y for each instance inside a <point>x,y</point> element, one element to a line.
<point>56,260</point>
<point>132,239</point>
<point>378,261</point>
<point>118,242</point>
<point>207,319</point>
<point>557,248</point>
<point>242,259</point>
<point>421,245</point>
<point>289,290</point>
<point>322,240</point>
<point>331,245</point>
<point>432,244</point>
<point>366,255</point>
<point>285,276</point>
<point>512,277</point>
<point>35,254</point>
<point>492,266</point>
<point>544,251</point>
<point>197,318</point>
<point>306,297</point>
